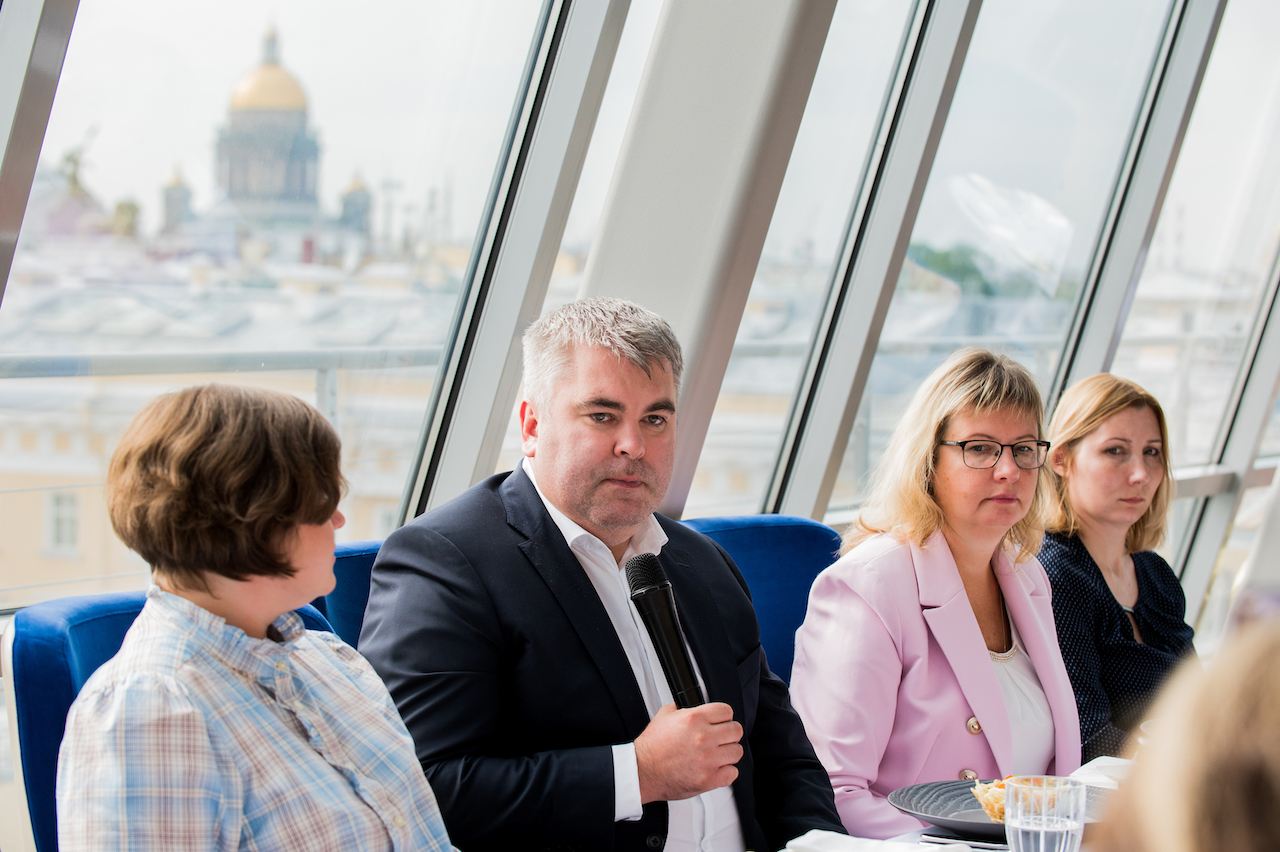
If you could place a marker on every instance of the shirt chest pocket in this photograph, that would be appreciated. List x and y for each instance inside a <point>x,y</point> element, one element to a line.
<point>749,681</point>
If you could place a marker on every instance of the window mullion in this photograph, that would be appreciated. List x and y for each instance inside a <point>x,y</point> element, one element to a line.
<point>1104,306</point>
<point>33,44</point>
<point>1239,444</point>
<point>820,431</point>
<point>462,437</point>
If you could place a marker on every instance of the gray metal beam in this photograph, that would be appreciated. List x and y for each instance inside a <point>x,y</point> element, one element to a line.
<point>705,153</point>
<point>33,43</point>
<point>1148,169</point>
<point>819,433</point>
<point>1262,474</point>
<point>1204,480</point>
<point>463,435</point>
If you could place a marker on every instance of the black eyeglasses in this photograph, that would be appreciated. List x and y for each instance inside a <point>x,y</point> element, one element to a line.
<point>983,455</point>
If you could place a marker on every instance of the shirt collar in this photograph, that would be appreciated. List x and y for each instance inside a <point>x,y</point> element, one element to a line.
<point>650,538</point>
<point>254,657</point>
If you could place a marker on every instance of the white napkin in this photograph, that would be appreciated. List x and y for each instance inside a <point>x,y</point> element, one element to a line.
<point>818,840</point>
<point>1104,771</point>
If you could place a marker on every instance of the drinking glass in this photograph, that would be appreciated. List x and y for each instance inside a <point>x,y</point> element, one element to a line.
<point>1043,813</point>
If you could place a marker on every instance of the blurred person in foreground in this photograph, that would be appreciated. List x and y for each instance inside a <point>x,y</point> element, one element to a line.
<point>1119,607</point>
<point>222,723</point>
<point>928,652</point>
<point>503,626</point>
<point>1207,775</point>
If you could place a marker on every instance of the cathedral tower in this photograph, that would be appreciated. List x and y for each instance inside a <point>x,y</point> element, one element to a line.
<point>268,158</point>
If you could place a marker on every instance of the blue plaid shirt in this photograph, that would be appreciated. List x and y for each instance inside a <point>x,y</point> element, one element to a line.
<point>196,736</point>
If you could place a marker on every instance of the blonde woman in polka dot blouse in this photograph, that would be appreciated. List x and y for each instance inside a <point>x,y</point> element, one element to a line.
<point>1118,607</point>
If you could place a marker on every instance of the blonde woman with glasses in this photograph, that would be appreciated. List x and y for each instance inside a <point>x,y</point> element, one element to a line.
<point>1120,609</point>
<point>928,652</point>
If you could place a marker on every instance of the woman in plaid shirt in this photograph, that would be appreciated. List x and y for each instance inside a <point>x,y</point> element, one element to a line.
<point>223,723</point>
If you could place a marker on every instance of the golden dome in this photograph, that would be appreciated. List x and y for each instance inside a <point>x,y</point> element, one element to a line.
<point>268,86</point>
<point>357,185</point>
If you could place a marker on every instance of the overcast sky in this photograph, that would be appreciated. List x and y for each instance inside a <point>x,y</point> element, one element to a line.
<point>420,92</point>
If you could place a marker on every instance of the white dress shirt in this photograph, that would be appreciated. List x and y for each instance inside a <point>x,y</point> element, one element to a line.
<point>709,822</point>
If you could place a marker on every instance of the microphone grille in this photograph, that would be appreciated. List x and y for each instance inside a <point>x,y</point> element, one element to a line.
<point>644,571</point>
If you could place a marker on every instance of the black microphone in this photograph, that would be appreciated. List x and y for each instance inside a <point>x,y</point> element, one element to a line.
<point>651,593</point>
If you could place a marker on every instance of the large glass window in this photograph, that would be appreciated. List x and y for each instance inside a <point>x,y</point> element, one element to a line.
<point>10,813</point>
<point>1214,249</point>
<point>1269,446</point>
<point>1021,186</point>
<point>1211,262</point>
<point>1216,607</point>
<point>801,256</point>
<point>283,196</point>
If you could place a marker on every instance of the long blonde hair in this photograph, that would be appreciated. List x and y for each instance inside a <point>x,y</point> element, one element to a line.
<point>901,501</point>
<point>1083,408</point>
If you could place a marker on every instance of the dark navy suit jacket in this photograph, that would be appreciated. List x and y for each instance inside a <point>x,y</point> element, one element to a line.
<point>514,685</point>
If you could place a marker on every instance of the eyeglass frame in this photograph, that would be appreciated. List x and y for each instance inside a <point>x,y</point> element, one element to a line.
<point>996,460</point>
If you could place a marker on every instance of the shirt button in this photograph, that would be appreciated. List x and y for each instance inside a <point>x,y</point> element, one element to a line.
<point>968,775</point>
<point>973,725</point>
<point>655,841</point>
<point>398,820</point>
<point>282,666</point>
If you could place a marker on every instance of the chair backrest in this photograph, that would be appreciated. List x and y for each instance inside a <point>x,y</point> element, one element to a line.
<point>344,606</point>
<point>779,555</point>
<point>49,650</point>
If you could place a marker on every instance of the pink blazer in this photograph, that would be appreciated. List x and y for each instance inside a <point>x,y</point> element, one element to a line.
<point>891,669</point>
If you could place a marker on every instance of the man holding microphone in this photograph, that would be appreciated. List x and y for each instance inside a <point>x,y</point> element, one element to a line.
<point>503,625</point>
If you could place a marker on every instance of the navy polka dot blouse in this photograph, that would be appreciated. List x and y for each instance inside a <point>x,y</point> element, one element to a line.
<point>1114,677</point>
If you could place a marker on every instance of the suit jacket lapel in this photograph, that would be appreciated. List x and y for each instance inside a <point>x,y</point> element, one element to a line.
<point>951,621</point>
<point>708,641</point>
<point>551,557</point>
<point>1032,612</point>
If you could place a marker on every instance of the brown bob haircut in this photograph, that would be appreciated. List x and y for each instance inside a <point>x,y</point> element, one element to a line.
<point>1084,407</point>
<point>215,479</point>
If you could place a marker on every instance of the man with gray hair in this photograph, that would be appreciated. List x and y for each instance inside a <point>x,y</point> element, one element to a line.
<point>502,624</point>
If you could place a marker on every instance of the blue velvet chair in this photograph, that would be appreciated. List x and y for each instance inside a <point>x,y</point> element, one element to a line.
<point>344,606</point>
<point>779,555</point>
<point>49,651</point>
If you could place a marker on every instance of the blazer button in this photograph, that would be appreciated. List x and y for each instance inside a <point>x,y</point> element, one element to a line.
<point>973,725</point>
<point>968,775</point>
<point>655,841</point>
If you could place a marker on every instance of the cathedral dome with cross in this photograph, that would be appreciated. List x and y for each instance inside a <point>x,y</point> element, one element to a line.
<point>268,156</point>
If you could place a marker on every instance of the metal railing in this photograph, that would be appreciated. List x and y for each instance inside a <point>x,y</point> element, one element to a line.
<point>326,364</point>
